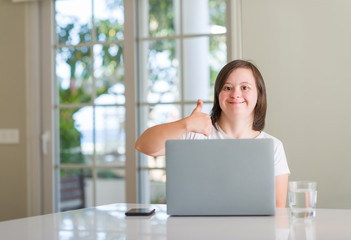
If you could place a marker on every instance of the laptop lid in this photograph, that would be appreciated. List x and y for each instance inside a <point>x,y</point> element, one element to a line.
<point>220,177</point>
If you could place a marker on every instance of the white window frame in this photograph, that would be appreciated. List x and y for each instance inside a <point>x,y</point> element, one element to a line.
<point>33,109</point>
<point>47,103</point>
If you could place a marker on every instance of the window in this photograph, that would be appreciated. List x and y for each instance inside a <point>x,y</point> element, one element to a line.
<point>180,53</point>
<point>101,106</point>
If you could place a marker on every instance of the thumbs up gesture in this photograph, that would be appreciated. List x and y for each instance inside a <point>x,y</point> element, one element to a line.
<point>198,121</point>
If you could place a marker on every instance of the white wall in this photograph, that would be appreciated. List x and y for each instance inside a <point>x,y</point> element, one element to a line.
<point>303,49</point>
<point>13,171</point>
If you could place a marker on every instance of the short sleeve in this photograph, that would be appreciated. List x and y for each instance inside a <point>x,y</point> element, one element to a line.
<point>280,162</point>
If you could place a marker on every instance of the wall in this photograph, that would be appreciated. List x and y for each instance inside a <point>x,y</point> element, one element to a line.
<point>12,110</point>
<point>303,48</point>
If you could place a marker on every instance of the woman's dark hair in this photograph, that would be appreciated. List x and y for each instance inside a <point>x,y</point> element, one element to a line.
<point>261,105</point>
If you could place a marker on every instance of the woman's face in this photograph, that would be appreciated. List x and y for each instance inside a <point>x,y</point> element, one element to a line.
<point>238,96</point>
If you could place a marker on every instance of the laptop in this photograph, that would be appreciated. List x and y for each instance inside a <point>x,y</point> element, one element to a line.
<point>220,177</point>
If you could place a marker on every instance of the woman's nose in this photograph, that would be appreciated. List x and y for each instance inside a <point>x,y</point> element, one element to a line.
<point>236,93</point>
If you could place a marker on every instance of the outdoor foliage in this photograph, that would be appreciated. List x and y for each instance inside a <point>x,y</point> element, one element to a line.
<point>80,87</point>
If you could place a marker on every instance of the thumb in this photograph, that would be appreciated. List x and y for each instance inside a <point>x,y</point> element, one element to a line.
<point>198,106</point>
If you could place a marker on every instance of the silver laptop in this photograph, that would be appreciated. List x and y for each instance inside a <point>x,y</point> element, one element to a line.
<point>220,177</point>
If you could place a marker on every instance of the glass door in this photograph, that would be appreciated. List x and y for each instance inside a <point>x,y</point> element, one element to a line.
<point>89,103</point>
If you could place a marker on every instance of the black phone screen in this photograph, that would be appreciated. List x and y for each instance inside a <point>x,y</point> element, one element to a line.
<point>140,212</point>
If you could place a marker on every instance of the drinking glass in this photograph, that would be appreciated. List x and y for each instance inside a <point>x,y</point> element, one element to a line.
<point>302,197</point>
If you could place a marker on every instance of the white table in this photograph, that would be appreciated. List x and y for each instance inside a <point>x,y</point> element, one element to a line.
<point>109,222</point>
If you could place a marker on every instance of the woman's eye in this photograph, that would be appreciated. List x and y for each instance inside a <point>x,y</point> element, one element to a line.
<point>245,87</point>
<point>227,88</point>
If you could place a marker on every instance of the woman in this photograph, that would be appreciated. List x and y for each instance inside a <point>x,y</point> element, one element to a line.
<point>239,111</point>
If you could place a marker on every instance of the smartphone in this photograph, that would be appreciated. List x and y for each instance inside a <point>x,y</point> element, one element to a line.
<point>140,212</point>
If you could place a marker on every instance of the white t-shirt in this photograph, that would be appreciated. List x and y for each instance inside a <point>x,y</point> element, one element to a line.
<point>280,163</point>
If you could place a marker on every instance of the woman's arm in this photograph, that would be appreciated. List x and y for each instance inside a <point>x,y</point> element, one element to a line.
<point>152,141</point>
<point>281,186</point>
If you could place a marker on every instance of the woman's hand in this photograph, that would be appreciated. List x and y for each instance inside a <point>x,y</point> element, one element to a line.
<point>198,121</point>
<point>152,142</point>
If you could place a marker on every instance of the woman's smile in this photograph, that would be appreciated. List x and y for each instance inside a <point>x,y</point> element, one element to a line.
<point>236,101</point>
